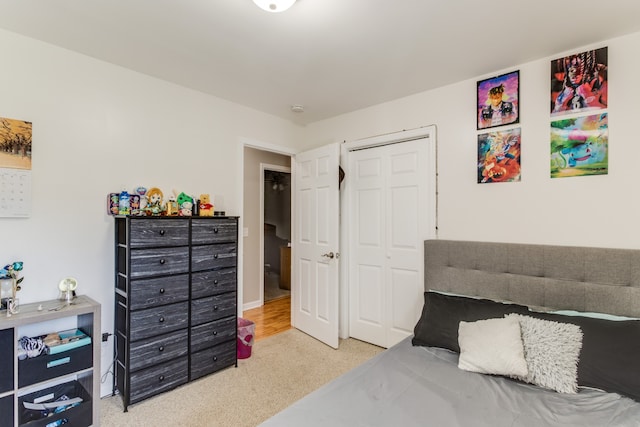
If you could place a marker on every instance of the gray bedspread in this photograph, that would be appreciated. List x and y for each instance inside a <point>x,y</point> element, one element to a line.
<point>422,386</point>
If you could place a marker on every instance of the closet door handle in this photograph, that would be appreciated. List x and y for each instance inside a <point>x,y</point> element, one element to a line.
<point>329,255</point>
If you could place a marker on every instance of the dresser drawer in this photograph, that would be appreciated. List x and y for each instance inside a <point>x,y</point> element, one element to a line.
<point>204,231</point>
<point>154,380</point>
<point>158,320</point>
<point>158,291</point>
<point>154,232</point>
<point>153,351</point>
<point>159,261</point>
<point>206,283</point>
<point>213,256</point>
<point>213,359</point>
<point>213,333</point>
<point>208,309</point>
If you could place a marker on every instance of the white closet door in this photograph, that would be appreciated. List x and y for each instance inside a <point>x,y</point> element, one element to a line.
<point>388,197</point>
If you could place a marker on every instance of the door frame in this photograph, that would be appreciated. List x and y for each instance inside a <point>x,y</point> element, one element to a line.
<point>427,132</point>
<point>263,146</point>
<point>263,168</point>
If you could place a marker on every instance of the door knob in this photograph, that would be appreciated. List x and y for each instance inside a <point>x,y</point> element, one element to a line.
<point>330,255</point>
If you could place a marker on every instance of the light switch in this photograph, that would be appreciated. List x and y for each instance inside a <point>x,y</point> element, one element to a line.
<point>245,232</point>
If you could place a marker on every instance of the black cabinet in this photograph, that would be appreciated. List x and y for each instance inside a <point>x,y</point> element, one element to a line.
<point>175,301</point>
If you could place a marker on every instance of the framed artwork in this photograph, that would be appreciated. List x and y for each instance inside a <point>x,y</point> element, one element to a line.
<point>579,82</point>
<point>499,156</point>
<point>580,146</point>
<point>498,100</point>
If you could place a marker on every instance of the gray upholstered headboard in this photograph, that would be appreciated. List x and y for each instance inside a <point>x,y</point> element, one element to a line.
<point>562,277</point>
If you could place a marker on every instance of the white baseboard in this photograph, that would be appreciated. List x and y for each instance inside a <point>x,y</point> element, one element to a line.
<point>252,304</point>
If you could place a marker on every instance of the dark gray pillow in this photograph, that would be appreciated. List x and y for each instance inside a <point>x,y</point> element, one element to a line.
<point>441,315</point>
<point>610,355</point>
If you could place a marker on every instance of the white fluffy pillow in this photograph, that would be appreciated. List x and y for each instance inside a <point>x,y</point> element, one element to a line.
<point>492,346</point>
<point>552,350</point>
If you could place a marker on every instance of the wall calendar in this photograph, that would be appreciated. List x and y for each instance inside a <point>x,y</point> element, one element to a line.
<point>15,168</point>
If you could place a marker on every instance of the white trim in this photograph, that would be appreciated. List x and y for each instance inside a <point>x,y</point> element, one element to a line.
<point>265,167</point>
<point>260,145</point>
<point>391,138</point>
<point>267,146</point>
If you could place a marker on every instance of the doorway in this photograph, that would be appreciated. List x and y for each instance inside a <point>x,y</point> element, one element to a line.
<point>276,226</point>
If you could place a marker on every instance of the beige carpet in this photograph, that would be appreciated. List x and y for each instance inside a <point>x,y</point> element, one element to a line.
<point>281,370</point>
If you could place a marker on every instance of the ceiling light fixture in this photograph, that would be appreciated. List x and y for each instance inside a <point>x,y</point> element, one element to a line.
<point>274,5</point>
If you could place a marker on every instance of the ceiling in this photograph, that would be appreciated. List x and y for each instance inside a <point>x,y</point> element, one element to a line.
<point>331,56</point>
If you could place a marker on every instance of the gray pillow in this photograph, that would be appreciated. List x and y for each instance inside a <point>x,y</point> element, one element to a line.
<point>551,350</point>
<point>442,314</point>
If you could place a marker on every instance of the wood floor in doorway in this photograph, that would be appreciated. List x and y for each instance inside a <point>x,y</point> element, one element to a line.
<point>272,318</point>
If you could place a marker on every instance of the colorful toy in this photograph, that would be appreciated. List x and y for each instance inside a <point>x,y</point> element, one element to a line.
<point>124,207</point>
<point>206,208</point>
<point>142,191</point>
<point>134,203</point>
<point>185,203</point>
<point>154,200</point>
<point>172,206</point>
<point>113,200</point>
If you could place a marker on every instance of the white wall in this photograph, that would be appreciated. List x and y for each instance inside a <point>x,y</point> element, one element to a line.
<point>96,128</point>
<point>598,211</point>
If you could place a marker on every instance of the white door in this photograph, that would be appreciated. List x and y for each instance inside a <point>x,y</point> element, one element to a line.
<point>314,291</point>
<point>388,194</point>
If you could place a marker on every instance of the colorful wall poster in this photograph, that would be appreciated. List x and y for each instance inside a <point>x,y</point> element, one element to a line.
<point>498,100</point>
<point>579,82</point>
<point>580,146</point>
<point>499,156</point>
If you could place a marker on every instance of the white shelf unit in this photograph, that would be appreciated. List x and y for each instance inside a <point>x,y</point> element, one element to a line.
<point>46,317</point>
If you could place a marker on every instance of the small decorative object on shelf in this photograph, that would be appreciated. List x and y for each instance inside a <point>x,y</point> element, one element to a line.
<point>206,208</point>
<point>142,192</point>
<point>9,286</point>
<point>154,201</point>
<point>124,204</point>
<point>113,202</point>
<point>185,203</point>
<point>67,287</point>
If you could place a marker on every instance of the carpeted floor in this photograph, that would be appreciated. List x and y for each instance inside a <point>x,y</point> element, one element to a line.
<point>281,370</point>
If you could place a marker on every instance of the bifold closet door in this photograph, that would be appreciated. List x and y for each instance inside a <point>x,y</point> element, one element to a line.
<point>388,211</point>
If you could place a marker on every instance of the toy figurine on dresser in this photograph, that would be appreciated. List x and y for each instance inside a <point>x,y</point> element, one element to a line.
<point>206,208</point>
<point>154,201</point>
<point>185,204</point>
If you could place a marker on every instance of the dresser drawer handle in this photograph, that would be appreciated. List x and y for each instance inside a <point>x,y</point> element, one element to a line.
<point>215,358</point>
<point>215,333</point>
<point>215,256</point>
<point>215,282</point>
<point>161,319</point>
<point>215,308</point>
<point>161,348</point>
<point>161,378</point>
<point>162,261</point>
<point>162,290</point>
<point>162,232</point>
<point>215,230</point>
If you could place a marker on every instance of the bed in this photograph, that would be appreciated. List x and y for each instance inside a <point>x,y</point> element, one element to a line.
<point>510,335</point>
